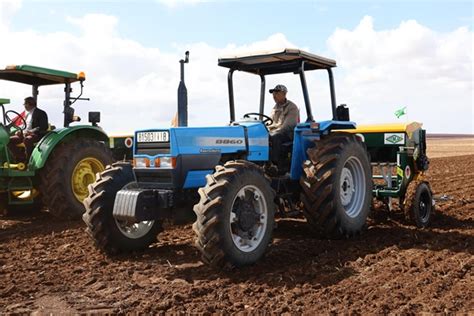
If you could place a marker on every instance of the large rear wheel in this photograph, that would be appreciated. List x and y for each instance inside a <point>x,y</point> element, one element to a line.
<point>337,186</point>
<point>111,235</point>
<point>72,166</point>
<point>235,215</point>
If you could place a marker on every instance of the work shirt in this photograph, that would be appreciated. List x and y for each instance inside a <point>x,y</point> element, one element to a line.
<point>285,117</point>
<point>36,122</point>
<point>29,121</point>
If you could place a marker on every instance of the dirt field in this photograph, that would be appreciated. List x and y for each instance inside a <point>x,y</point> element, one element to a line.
<point>439,146</point>
<point>46,266</point>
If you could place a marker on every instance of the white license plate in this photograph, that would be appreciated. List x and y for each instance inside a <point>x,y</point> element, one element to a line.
<point>153,137</point>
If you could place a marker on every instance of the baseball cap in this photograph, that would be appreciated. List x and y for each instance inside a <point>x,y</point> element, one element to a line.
<point>279,87</point>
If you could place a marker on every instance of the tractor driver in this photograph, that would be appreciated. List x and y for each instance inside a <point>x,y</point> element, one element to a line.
<point>285,116</point>
<point>36,127</point>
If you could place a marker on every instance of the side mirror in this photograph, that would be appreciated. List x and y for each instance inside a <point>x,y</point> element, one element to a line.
<point>342,113</point>
<point>94,118</point>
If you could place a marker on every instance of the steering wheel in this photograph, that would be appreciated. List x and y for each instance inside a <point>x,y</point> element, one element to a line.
<point>10,121</point>
<point>267,119</point>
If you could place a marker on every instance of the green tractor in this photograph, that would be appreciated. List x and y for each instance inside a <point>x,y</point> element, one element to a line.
<point>63,163</point>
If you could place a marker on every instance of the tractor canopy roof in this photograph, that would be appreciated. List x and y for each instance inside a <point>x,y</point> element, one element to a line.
<point>276,62</point>
<point>38,76</point>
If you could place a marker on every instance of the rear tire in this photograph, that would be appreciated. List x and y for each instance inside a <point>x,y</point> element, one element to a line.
<point>60,195</point>
<point>110,235</point>
<point>235,215</point>
<point>337,186</point>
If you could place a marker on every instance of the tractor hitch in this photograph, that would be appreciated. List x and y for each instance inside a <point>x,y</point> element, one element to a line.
<point>136,205</point>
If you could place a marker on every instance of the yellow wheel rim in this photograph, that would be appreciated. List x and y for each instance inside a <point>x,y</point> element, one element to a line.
<point>83,175</point>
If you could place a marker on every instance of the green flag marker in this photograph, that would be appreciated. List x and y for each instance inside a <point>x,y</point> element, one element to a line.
<point>401,112</point>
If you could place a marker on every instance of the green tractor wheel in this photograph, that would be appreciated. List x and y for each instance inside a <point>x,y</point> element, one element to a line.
<point>67,174</point>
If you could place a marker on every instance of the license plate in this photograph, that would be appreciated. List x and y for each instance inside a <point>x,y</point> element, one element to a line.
<point>153,137</point>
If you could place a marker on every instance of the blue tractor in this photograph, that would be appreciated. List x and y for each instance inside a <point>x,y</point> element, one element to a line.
<point>221,171</point>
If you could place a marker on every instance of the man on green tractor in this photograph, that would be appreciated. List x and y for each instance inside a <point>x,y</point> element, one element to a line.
<point>35,126</point>
<point>58,163</point>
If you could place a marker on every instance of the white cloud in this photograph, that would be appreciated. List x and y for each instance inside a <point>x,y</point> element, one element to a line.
<point>7,9</point>
<point>429,72</point>
<point>96,26</point>
<point>134,86</point>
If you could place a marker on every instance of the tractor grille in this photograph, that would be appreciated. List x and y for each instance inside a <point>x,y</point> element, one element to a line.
<point>154,176</point>
<point>152,149</point>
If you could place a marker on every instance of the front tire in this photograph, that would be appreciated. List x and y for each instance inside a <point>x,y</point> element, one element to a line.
<point>69,170</point>
<point>235,215</point>
<point>109,234</point>
<point>337,186</point>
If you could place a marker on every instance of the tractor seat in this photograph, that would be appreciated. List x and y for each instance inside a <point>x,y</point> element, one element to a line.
<point>50,128</point>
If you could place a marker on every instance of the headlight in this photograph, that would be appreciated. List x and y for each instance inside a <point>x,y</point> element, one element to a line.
<point>165,162</point>
<point>141,162</point>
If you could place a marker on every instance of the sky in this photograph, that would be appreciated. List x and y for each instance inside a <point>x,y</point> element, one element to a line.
<point>390,54</point>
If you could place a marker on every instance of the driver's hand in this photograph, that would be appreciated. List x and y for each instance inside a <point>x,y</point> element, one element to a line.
<point>18,133</point>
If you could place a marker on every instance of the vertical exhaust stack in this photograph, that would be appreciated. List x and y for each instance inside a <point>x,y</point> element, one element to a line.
<point>183,95</point>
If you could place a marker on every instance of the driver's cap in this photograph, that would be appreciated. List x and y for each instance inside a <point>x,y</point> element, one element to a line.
<point>279,87</point>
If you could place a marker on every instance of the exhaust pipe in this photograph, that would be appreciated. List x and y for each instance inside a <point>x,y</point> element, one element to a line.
<point>183,95</point>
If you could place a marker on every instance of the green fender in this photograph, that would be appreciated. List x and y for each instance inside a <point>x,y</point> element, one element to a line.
<point>4,139</point>
<point>54,138</point>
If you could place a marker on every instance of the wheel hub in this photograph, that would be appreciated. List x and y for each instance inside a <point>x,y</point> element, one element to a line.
<point>424,206</point>
<point>352,189</point>
<point>347,186</point>
<point>248,218</point>
<point>83,175</point>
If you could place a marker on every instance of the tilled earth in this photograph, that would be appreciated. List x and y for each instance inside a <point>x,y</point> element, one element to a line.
<point>48,266</point>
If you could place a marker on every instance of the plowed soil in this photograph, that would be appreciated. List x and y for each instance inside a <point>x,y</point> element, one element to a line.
<point>48,266</point>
